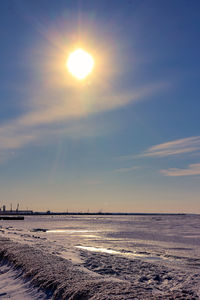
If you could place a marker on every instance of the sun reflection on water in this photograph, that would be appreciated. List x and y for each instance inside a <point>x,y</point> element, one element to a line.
<point>132,254</point>
<point>68,231</point>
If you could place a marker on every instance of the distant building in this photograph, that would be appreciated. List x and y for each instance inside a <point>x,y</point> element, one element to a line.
<point>4,208</point>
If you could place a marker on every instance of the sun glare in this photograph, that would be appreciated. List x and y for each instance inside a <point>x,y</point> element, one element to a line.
<point>80,64</point>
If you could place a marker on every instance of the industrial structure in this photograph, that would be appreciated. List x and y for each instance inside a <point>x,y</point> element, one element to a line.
<point>12,211</point>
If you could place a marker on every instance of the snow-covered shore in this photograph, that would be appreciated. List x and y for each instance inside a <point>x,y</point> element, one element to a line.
<point>12,286</point>
<point>99,276</point>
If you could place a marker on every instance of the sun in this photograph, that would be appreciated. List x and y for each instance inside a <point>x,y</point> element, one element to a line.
<point>80,64</point>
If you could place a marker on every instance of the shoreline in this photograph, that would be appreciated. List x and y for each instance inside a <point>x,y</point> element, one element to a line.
<point>100,276</point>
<point>32,213</point>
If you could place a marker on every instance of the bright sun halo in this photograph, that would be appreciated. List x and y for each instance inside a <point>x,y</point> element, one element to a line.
<point>80,64</point>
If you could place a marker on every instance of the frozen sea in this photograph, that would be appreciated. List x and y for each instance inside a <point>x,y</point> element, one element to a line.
<point>157,253</point>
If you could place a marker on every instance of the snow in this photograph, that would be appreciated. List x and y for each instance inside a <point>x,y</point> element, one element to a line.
<point>13,287</point>
<point>107,257</point>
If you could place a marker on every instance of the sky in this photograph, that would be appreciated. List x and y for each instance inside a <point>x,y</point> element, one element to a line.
<point>125,139</point>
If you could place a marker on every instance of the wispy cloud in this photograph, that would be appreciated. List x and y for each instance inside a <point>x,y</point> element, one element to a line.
<point>53,106</point>
<point>177,147</point>
<point>124,170</point>
<point>193,169</point>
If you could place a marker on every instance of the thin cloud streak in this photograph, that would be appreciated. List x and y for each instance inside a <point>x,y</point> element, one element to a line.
<point>193,169</point>
<point>177,147</point>
<point>124,170</point>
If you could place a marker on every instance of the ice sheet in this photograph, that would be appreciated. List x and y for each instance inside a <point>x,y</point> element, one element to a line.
<point>158,254</point>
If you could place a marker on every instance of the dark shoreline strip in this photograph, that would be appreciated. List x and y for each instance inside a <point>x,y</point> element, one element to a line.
<point>12,218</point>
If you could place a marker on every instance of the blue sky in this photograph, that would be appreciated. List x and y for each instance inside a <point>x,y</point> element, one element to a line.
<point>127,138</point>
